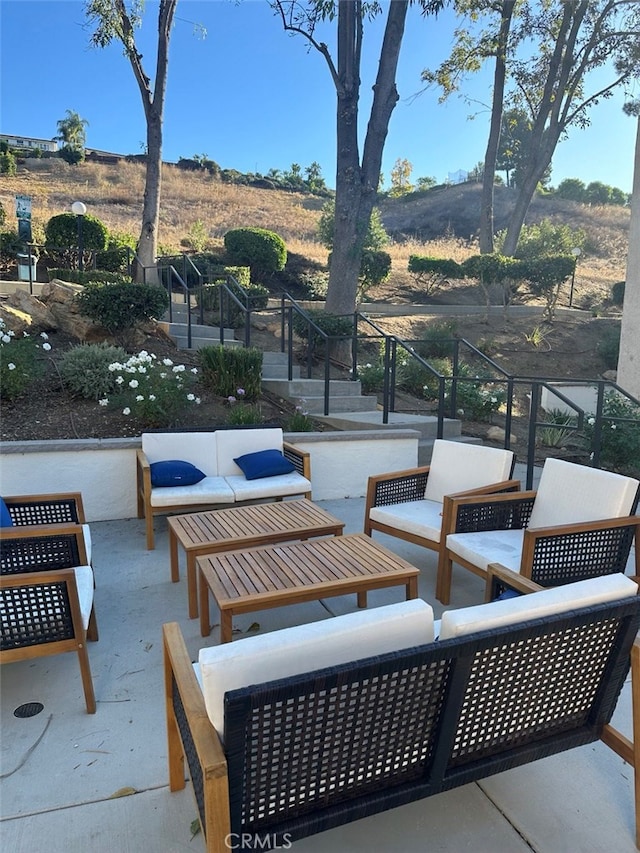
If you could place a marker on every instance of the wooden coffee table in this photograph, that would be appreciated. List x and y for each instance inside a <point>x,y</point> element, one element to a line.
<point>243,527</point>
<point>256,579</point>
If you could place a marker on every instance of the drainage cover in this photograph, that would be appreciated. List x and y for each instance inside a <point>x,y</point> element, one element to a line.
<point>29,709</point>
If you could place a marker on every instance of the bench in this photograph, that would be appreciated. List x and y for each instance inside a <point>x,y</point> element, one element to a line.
<point>219,479</point>
<point>277,752</point>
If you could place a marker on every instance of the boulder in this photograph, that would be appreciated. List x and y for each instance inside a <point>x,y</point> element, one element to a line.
<point>496,433</point>
<point>29,312</point>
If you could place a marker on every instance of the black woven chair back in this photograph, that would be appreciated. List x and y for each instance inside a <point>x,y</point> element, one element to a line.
<point>28,513</point>
<point>35,614</point>
<point>303,751</point>
<point>38,553</point>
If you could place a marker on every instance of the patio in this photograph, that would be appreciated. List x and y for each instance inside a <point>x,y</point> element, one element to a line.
<point>73,781</point>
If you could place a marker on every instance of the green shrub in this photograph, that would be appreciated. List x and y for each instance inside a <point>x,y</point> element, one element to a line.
<point>20,360</point>
<point>120,307</point>
<point>84,369</point>
<point>371,376</point>
<point>333,325</point>
<point>560,428</point>
<point>241,412</point>
<point>608,347</point>
<point>545,275</point>
<point>8,163</point>
<point>71,154</point>
<point>432,273</point>
<point>154,393</point>
<point>87,276</point>
<point>477,398</point>
<point>10,245</point>
<point>417,380</point>
<point>620,439</point>
<point>375,267</point>
<point>226,369</point>
<point>436,340</point>
<point>120,250</point>
<point>264,251</point>
<point>545,238</point>
<point>3,215</point>
<point>61,238</point>
<point>255,295</point>
<point>617,293</point>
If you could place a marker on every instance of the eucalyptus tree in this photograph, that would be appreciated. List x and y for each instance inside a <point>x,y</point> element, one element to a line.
<point>549,54</point>
<point>357,177</point>
<point>113,20</point>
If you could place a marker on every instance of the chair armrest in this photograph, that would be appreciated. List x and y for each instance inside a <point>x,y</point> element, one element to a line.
<point>300,458</point>
<point>57,508</point>
<point>396,487</point>
<point>500,579</point>
<point>508,510</point>
<point>192,736</point>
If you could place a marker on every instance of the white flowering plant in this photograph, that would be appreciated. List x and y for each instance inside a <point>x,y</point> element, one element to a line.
<point>20,360</point>
<point>371,376</point>
<point>155,392</point>
<point>619,435</point>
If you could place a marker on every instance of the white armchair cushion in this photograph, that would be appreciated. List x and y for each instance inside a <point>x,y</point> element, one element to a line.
<point>488,546</point>
<point>560,599</point>
<point>421,518</point>
<point>86,535</point>
<point>569,493</point>
<point>303,648</point>
<point>199,448</point>
<point>237,442</point>
<point>211,490</point>
<point>85,585</point>
<point>458,467</point>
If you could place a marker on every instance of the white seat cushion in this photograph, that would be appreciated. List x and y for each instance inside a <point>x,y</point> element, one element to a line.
<point>560,599</point>
<point>488,546</point>
<point>268,487</point>
<point>232,443</point>
<point>86,533</point>
<point>212,490</point>
<point>421,518</point>
<point>84,583</point>
<point>457,467</point>
<point>199,448</point>
<point>570,493</point>
<point>303,648</point>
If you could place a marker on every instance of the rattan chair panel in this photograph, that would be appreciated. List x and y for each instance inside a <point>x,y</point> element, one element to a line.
<point>27,513</point>
<point>35,614</point>
<point>577,556</point>
<point>499,515</point>
<point>400,489</point>
<point>291,756</point>
<point>29,554</point>
<point>190,752</point>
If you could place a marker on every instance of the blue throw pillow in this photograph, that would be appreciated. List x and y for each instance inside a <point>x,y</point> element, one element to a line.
<point>5,515</point>
<point>264,463</point>
<point>173,472</point>
<point>507,594</point>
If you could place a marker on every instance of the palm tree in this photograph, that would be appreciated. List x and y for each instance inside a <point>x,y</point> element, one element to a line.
<point>71,130</point>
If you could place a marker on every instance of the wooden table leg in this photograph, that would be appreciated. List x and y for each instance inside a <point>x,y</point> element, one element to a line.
<point>173,556</point>
<point>226,626</point>
<point>192,586</point>
<point>205,621</point>
<point>362,599</point>
<point>412,587</point>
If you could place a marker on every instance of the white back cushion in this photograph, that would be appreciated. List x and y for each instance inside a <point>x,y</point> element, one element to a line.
<point>232,443</point>
<point>457,467</point>
<point>304,648</point>
<point>199,448</point>
<point>535,605</point>
<point>570,493</point>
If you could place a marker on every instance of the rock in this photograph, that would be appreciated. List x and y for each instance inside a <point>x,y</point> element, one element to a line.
<point>59,296</point>
<point>31,312</point>
<point>496,433</point>
<point>610,375</point>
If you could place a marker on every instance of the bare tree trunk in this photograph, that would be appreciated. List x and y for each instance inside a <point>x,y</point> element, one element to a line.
<point>491,155</point>
<point>356,186</point>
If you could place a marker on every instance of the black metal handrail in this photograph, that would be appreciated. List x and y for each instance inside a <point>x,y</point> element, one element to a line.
<point>167,276</point>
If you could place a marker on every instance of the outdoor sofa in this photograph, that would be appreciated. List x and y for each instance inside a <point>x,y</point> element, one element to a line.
<point>270,468</point>
<point>395,709</point>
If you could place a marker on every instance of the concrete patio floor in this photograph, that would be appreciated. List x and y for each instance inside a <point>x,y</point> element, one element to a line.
<point>77,782</point>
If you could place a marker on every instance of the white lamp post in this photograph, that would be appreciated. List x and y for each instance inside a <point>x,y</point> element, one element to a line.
<point>79,208</point>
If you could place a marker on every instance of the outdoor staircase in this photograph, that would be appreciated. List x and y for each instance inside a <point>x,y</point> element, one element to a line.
<point>349,408</point>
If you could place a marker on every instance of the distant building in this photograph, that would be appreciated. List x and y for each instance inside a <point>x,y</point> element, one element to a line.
<point>29,142</point>
<point>458,177</point>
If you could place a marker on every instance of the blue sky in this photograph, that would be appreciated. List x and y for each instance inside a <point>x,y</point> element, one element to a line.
<point>252,98</point>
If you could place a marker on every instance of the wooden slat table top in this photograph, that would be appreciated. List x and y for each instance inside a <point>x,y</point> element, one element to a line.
<point>279,572</point>
<point>256,524</point>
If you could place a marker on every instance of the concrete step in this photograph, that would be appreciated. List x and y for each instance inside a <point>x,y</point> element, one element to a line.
<point>201,336</point>
<point>309,388</point>
<point>363,404</point>
<point>426,425</point>
<point>275,365</point>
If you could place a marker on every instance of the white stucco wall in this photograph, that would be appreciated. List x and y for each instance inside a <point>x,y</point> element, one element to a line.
<point>104,471</point>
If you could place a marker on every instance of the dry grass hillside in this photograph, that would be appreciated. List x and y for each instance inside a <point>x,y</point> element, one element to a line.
<point>439,223</point>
